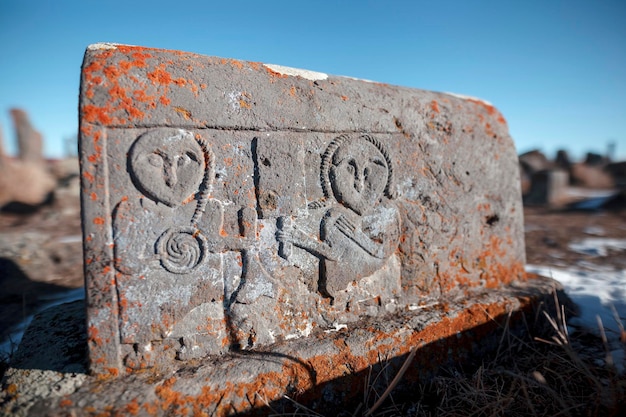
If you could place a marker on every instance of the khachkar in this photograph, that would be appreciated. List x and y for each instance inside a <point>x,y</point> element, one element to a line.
<point>232,205</point>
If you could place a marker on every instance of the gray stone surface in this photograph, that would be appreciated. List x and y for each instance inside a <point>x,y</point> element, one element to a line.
<point>231,205</point>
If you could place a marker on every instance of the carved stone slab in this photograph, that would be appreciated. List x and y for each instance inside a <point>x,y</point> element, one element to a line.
<point>233,205</point>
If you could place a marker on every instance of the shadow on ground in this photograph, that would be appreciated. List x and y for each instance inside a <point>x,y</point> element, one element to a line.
<point>21,297</point>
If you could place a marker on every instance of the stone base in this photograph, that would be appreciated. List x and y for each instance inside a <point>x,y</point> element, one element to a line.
<point>326,370</point>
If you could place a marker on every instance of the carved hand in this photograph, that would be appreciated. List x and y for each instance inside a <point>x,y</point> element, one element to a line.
<point>348,228</point>
<point>290,234</point>
<point>345,226</point>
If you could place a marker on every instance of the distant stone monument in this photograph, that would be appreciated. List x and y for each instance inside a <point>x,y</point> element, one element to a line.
<point>235,206</point>
<point>25,181</point>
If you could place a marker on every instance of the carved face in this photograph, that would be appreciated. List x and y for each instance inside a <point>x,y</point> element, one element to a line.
<point>358,175</point>
<point>167,165</point>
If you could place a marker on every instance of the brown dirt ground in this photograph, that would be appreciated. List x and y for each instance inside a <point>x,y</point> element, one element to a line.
<point>549,233</point>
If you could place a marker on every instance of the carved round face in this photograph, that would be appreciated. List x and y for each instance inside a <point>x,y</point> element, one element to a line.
<point>167,165</point>
<point>358,175</point>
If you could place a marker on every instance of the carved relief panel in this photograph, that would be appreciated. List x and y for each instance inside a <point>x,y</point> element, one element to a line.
<point>183,275</point>
<point>229,206</point>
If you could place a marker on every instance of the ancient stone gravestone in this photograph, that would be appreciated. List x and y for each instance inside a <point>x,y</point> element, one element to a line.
<point>232,205</point>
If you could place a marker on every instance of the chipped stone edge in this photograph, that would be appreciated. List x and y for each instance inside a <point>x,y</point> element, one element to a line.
<point>464,97</point>
<point>99,46</point>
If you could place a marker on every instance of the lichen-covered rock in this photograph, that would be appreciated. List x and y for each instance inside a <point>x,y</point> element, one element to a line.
<point>231,205</point>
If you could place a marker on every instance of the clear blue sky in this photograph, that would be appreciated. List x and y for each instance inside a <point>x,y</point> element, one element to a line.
<point>555,69</point>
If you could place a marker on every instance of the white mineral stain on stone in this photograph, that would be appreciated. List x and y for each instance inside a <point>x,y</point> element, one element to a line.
<point>414,307</point>
<point>102,46</point>
<point>233,100</point>
<point>359,79</point>
<point>384,216</point>
<point>261,286</point>
<point>301,333</point>
<point>337,327</point>
<point>295,72</point>
<point>461,96</point>
<point>409,189</point>
<point>222,174</point>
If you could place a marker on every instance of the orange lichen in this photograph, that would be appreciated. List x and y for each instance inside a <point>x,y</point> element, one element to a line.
<point>434,106</point>
<point>11,389</point>
<point>275,74</point>
<point>121,106</point>
<point>236,63</point>
<point>491,111</point>
<point>159,75</point>
<point>185,113</point>
<point>93,335</point>
<point>65,402</point>
<point>93,114</point>
<point>98,220</point>
<point>132,407</point>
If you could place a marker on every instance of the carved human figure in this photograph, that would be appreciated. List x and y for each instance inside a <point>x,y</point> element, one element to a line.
<point>361,228</point>
<point>164,243</point>
<point>172,168</point>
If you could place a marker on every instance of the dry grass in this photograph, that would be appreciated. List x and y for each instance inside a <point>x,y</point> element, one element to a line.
<point>548,373</point>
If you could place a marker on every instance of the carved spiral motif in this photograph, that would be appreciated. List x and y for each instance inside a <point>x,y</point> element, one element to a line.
<point>181,249</point>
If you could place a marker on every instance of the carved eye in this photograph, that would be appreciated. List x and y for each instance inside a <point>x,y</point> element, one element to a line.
<point>187,158</point>
<point>351,167</point>
<point>155,160</point>
<point>366,173</point>
<point>193,157</point>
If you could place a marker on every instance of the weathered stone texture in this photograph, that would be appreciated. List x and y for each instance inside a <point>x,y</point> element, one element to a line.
<point>233,205</point>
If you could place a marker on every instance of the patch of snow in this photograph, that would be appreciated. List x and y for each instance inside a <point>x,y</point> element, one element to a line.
<point>598,293</point>
<point>597,246</point>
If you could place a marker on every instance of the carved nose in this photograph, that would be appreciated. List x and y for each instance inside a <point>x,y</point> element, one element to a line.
<point>358,182</point>
<point>170,174</point>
